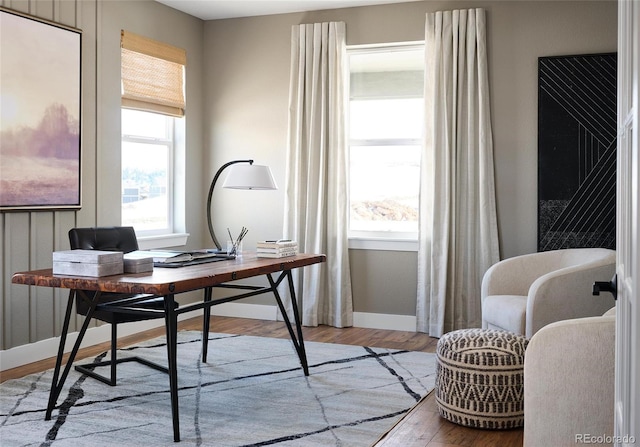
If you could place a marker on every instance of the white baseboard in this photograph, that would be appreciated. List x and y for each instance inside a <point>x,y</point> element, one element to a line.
<point>360,319</point>
<point>384,321</point>
<point>33,352</point>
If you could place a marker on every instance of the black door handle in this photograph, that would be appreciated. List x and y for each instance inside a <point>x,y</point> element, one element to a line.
<point>607,286</point>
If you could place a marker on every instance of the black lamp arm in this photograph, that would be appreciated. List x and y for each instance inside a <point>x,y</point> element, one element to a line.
<point>213,184</point>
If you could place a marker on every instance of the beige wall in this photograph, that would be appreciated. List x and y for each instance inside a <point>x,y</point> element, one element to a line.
<point>247,66</point>
<point>237,89</point>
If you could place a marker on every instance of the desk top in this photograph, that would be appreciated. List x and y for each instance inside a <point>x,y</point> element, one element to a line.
<point>165,281</point>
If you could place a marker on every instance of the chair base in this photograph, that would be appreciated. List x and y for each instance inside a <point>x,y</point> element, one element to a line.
<point>88,369</point>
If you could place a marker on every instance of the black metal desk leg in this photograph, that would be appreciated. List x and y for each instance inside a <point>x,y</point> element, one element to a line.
<point>298,319</point>
<point>171,322</point>
<point>296,337</point>
<point>54,392</point>
<point>58,381</point>
<point>206,323</point>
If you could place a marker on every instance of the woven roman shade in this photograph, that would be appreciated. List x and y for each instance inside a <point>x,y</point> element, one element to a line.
<point>152,75</point>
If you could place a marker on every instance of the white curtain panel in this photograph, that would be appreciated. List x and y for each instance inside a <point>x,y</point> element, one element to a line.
<point>458,238</point>
<point>316,180</point>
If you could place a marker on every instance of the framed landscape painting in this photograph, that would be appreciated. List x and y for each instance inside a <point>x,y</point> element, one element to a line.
<point>40,68</point>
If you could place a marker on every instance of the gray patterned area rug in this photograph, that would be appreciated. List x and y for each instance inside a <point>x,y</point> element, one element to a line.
<point>251,392</point>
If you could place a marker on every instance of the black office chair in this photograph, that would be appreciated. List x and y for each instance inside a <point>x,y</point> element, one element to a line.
<point>138,308</point>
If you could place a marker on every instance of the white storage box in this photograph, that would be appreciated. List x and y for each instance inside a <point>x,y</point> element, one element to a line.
<point>87,263</point>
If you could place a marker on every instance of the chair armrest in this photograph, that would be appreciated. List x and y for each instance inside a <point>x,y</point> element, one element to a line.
<point>514,276</point>
<point>565,294</point>
<point>569,381</point>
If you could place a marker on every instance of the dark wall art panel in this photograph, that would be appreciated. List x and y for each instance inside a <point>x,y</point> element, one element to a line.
<point>577,151</point>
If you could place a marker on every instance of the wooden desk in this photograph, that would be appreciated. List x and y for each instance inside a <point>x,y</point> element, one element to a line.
<point>168,282</point>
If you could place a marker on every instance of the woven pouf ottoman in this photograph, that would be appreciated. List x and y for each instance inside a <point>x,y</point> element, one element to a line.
<point>480,378</point>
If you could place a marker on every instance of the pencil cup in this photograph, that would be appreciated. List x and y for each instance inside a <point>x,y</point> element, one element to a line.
<point>234,249</point>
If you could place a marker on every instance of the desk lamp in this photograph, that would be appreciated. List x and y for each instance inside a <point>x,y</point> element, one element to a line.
<point>241,176</point>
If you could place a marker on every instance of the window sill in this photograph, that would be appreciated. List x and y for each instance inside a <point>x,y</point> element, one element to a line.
<point>162,241</point>
<point>383,244</point>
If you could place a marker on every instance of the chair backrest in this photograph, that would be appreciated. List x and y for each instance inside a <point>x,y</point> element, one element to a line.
<point>104,238</point>
<point>541,263</point>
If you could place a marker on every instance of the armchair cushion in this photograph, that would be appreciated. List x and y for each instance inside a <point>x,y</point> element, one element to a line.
<point>506,312</point>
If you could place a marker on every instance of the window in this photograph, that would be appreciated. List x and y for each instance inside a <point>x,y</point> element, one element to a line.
<point>385,139</point>
<point>152,122</point>
<point>147,171</point>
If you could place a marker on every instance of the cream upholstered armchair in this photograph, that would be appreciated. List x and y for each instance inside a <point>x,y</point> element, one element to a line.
<point>569,382</point>
<point>525,293</point>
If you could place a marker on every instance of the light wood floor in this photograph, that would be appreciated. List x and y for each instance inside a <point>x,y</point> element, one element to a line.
<point>422,427</point>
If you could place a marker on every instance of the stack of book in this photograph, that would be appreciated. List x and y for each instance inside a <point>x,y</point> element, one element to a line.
<point>277,249</point>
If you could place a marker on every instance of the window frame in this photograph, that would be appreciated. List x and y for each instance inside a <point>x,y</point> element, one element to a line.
<point>169,143</point>
<point>381,240</point>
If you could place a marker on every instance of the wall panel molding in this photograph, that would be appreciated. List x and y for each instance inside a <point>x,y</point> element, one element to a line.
<point>31,314</point>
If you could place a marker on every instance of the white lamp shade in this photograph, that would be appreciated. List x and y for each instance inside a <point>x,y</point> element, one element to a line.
<point>249,176</point>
